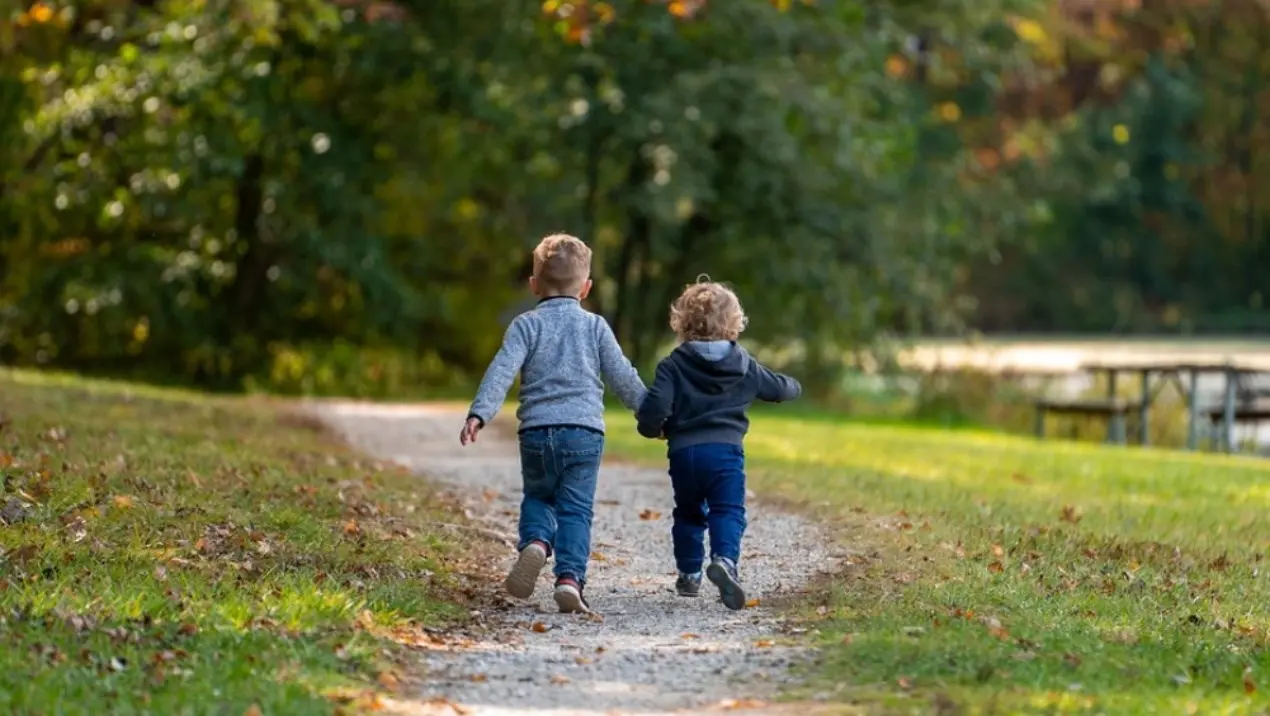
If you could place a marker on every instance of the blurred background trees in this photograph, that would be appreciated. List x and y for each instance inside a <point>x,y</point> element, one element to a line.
<point>340,195</point>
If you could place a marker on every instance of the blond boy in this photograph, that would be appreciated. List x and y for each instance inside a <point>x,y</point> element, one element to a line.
<point>698,403</point>
<point>564,355</point>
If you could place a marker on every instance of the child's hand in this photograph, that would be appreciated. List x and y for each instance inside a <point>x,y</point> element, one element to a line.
<point>470,429</point>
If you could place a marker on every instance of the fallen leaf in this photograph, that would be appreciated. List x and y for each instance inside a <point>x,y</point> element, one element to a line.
<point>999,632</point>
<point>1070,514</point>
<point>598,556</point>
<point>253,710</point>
<point>559,679</point>
<point>123,501</point>
<point>365,619</point>
<point>351,528</point>
<point>904,683</point>
<point>847,639</point>
<point>478,678</point>
<point>649,515</point>
<point>996,568</point>
<point>751,604</point>
<point>689,636</point>
<point>1072,660</point>
<point>998,551</point>
<point>188,629</point>
<point>539,627</point>
<point>1250,686</point>
<point>388,680</point>
<point>765,643</point>
<point>583,660</point>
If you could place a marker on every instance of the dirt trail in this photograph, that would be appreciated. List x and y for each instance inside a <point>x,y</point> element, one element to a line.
<point>651,651</point>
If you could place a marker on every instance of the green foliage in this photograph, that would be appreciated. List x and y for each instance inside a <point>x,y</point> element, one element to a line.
<point>187,185</point>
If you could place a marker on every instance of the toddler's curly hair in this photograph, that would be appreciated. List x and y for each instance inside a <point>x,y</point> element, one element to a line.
<point>707,311</point>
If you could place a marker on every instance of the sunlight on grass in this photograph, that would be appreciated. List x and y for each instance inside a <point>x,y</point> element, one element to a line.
<point>167,552</point>
<point>996,574</point>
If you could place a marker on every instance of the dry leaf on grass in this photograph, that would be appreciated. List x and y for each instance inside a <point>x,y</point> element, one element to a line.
<point>351,528</point>
<point>388,680</point>
<point>123,501</point>
<point>998,551</point>
<point>1070,514</point>
<point>1250,686</point>
<point>996,568</point>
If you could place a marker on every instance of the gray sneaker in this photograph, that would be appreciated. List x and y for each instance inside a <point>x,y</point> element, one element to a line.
<point>523,578</point>
<point>722,572</point>
<point>688,585</point>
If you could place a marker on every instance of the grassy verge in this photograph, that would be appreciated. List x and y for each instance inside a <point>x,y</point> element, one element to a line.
<point>171,553</point>
<point>994,574</point>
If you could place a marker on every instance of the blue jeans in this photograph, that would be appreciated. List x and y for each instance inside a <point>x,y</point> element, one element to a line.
<point>559,466</point>
<point>709,484</point>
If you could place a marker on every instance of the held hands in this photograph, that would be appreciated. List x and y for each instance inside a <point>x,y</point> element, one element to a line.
<point>469,431</point>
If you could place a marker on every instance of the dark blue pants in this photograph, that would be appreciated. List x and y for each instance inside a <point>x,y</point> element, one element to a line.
<point>559,466</point>
<point>709,484</point>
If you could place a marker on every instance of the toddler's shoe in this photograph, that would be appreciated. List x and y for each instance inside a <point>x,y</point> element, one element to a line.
<point>523,577</point>
<point>569,597</point>
<point>688,585</point>
<point>722,572</point>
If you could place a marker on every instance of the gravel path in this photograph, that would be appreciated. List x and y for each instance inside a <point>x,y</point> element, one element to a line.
<point>648,651</point>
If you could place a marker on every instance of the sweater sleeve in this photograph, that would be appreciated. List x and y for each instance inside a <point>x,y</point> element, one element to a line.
<point>776,387</point>
<point>501,373</point>
<point>652,414</point>
<point>618,372</point>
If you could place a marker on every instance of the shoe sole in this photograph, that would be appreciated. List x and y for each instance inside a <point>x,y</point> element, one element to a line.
<point>523,578</point>
<point>570,601</point>
<point>690,595</point>
<point>730,591</point>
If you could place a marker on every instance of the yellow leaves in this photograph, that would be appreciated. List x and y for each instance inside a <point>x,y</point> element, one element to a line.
<point>1031,32</point>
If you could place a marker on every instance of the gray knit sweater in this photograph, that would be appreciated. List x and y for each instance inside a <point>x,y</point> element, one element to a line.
<point>561,351</point>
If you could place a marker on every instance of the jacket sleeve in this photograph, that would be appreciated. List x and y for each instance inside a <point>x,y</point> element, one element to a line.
<point>776,387</point>
<point>619,375</point>
<point>653,412</point>
<point>501,373</point>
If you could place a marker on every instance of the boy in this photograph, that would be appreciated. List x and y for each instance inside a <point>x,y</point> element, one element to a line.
<point>698,402</point>
<point>560,350</point>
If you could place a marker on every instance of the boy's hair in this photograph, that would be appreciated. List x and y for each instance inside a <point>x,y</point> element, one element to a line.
<point>707,311</point>
<point>562,264</point>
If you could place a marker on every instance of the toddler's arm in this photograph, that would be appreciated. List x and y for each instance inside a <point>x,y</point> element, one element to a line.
<point>500,374</point>
<point>652,414</point>
<point>776,387</point>
<point>620,376</point>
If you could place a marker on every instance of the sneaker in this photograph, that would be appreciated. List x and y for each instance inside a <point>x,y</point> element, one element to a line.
<point>688,585</point>
<point>569,597</point>
<point>523,578</point>
<point>722,572</point>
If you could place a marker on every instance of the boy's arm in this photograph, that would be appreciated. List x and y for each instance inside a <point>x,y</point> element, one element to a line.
<point>650,418</point>
<point>620,376</point>
<point>776,387</point>
<point>501,373</point>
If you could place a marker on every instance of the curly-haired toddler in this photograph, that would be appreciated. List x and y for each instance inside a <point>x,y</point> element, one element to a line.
<point>698,403</point>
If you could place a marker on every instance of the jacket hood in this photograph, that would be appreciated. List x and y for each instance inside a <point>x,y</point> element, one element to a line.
<point>709,375</point>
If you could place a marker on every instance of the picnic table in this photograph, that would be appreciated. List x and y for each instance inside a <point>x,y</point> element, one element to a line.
<point>1240,398</point>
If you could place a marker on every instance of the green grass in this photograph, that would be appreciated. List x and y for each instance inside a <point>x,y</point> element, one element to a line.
<point>172,553</point>
<point>995,574</point>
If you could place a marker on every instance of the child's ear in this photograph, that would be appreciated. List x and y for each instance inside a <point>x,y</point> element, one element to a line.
<point>586,289</point>
<point>533,285</point>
